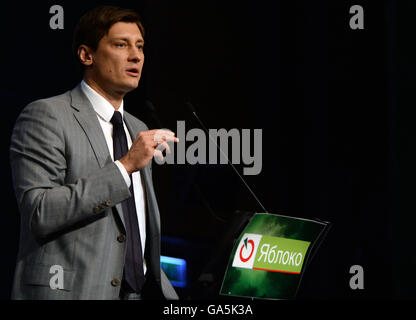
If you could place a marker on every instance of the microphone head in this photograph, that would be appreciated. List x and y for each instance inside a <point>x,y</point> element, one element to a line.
<point>190,107</point>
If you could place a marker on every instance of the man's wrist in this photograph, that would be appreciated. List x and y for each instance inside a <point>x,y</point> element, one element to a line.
<point>126,165</point>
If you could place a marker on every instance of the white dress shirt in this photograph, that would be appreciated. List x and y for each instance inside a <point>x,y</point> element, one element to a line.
<point>105,112</point>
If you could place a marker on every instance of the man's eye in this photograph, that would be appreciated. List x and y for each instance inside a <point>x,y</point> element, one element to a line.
<point>120,45</point>
<point>140,47</point>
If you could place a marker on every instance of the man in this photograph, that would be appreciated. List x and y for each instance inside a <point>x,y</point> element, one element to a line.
<point>81,168</point>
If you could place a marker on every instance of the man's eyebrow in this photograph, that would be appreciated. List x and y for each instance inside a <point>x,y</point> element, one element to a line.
<point>127,40</point>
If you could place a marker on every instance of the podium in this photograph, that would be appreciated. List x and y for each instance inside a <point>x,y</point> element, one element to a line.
<point>271,255</point>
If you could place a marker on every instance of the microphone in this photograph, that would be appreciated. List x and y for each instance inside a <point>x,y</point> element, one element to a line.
<point>193,111</point>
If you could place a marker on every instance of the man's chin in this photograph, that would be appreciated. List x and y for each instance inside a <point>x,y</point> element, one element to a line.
<point>130,86</point>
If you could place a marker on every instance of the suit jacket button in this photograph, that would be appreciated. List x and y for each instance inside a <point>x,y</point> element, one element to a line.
<point>121,238</point>
<point>115,282</point>
<point>107,203</point>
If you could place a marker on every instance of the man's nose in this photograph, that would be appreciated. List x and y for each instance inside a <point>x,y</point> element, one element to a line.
<point>136,55</point>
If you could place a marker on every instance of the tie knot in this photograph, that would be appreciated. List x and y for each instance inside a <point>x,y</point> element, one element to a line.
<point>117,119</point>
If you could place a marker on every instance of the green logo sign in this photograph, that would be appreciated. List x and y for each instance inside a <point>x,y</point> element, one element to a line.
<point>269,253</point>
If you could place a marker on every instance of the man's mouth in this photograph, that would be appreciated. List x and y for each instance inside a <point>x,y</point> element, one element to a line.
<point>134,72</point>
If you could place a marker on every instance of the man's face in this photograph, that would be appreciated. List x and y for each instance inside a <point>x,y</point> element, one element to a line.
<point>118,61</point>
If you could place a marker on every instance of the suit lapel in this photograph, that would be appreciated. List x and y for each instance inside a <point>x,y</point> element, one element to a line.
<point>87,119</point>
<point>134,130</point>
<point>152,211</point>
<point>153,220</point>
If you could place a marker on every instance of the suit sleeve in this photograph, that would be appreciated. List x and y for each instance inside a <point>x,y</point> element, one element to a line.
<point>38,163</point>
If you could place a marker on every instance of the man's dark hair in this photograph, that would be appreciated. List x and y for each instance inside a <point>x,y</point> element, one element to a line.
<point>95,23</point>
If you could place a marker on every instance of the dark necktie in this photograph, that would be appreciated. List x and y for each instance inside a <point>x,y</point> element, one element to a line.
<point>133,267</point>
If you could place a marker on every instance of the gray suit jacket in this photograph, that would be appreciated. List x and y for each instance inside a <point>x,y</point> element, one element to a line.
<point>66,185</point>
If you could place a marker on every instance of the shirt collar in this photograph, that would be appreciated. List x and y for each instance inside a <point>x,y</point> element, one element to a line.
<point>101,106</point>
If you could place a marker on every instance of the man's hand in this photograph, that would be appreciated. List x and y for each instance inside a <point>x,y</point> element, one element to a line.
<point>145,147</point>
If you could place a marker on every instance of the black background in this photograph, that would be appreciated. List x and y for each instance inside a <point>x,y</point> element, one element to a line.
<point>335,106</point>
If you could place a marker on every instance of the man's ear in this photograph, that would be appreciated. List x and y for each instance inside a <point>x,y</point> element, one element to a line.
<point>85,55</point>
